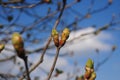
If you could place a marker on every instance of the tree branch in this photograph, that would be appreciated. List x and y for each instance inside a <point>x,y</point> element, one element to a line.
<point>54,63</point>
<point>49,40</point>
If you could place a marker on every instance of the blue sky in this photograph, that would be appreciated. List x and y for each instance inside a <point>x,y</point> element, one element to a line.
<point>83,49</point>
<point>109,70</point>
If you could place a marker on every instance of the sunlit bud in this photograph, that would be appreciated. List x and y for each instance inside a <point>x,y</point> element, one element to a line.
<point>65,33</point>
<point>56,40</point>
<point>90,64</point>
<point>54,32</point>
<point>18,44</point>
<point>2,46</point>
<point>55,36</point>
<point>16,38</point>
<point>93,76</point>
<point>64,36</point>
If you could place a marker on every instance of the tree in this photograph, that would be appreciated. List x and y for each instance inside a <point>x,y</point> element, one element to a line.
<point>40,23</point>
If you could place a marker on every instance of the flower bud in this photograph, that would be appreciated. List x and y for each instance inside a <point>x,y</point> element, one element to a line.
<point>90,64</point>
<point>55,36</point>
<point>2,46</point>
<point>18,44</point>
<point>64,36</point>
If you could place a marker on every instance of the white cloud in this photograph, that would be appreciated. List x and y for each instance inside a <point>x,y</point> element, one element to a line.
<point>48,60</point>
<point>88,42</point>
<point>46,65</point>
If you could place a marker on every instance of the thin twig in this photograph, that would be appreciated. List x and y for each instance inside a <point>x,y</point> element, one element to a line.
<point>54,63</point>
<point>27,69</point>
<point>8,58</point>
<point>19,7</point>
<point>99,64</point>
<point>58,48</point>
<point>59,17</point>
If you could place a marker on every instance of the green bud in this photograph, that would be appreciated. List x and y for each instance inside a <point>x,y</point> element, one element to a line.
<point>65,33</point>
<point>54,32</point>
<point>90,64</point>
<point>64,36</point>
<point>55,36</point>
<point>17,39</point>
<point>18,44</point>
<point>2,46</point>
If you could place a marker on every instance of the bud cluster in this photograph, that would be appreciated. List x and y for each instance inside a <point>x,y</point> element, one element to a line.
<point>64,37</point>
<point>89,71</point>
